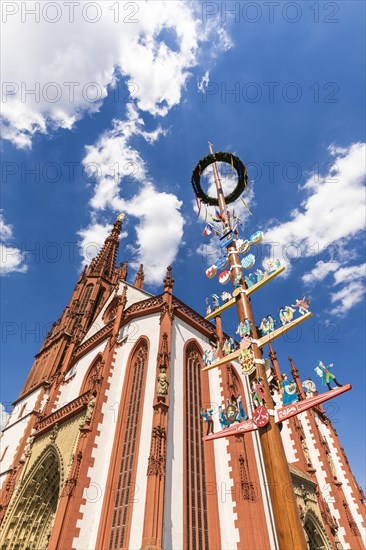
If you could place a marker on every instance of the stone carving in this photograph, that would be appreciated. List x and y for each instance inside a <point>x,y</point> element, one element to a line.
<point>162,383</point>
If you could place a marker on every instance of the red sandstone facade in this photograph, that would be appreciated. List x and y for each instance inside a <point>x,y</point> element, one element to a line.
<point>104,446</point>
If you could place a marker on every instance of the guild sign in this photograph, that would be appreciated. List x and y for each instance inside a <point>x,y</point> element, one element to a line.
<point>260,416</point>
<point>232,412</point>
<point>246,358</point>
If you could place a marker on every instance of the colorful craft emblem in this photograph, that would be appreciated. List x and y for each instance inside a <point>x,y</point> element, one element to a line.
<point>248,261</point>
<point>246,360</point>
<point>211,271</point>
<point>224,277</point>
<point>227,239</point>
<point>260,416</point>
<point>222,262</point>
<point>232,412</point>
<point>242,246</point>
<point>257,237</point>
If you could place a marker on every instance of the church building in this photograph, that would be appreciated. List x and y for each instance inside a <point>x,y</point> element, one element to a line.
<point>104,446</point>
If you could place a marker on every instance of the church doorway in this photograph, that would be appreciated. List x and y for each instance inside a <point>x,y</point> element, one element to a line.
<point>30,522</point>
<point>314,536</point>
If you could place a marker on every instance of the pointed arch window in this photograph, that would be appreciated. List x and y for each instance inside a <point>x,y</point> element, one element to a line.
<point>127,447</point>
<point>195,512</point>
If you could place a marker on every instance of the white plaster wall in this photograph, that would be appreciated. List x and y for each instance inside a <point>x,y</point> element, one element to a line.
<point>320,475</point>
<point>288,442</point>
<point>70,388</point>
<point>341,476</point>
<point>229,532</point>
<point>30,401</point>
<point>133,295</point>
<point>148,326</point>
<point>14,431</point>
<point>173,510</point>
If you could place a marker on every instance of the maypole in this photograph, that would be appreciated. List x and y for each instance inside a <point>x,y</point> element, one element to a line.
<point>290,534</point>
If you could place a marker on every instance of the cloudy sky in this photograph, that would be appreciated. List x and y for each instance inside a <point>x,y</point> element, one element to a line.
<point>108,106</point>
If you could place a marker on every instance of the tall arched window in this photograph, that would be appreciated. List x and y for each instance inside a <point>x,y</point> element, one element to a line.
<point>195,512</point>
<point>117,513</point>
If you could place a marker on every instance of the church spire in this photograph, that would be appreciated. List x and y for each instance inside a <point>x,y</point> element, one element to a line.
<point>105,263</point>
<point>140,278</point>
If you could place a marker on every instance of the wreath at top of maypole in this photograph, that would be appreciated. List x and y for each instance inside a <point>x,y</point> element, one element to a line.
<point>236,164</point>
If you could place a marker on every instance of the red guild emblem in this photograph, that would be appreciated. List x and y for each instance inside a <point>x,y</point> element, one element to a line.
<point>260,416</point>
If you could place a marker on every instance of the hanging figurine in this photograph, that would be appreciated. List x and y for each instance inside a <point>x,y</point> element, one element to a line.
<point>286,314</point>
<point>244,328</point>
<point>215,301</point>
<point>242,415</point>
<point>232,411</point>
<point>271,323</point>
<point>232,345</point>
<point>207,417</point>
<point>226,348</point>
<point>324,373</point>
<point>207,357</point>
<point>250,279</point>
<point>273,265</point>
<point>264,326</point>
<point>208,307</point>
<point>225,296</point>
<point>258,392</point>
<point>222,418</point>
<point>309,387</point>
<point>289,391</point>
<point>238,281</point>
<point>302,304</point>
<point>259,275</point>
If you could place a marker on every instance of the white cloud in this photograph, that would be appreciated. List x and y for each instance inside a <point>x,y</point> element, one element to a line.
<point>11,258</point>
<point>320,272</point>
<point>352,290</point>
<point>349,296</point>
<point>156,54</point>
<point>72,65</point>
<point>350,273</point>
<point>333,212</point>
<point>349,277</point>
<point>203,83</point>
<point>123,168</point>
<point>159,231</point>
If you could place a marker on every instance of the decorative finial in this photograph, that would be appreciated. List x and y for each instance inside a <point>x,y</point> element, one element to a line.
<point>168,281</point>
<point>121,217</point>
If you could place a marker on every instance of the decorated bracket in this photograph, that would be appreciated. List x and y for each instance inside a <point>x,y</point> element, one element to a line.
<point>287,411</point>
<point>264,281</point>
<point>280,331</point>
<point>248,291</point>
<point>227,359</point>
<point>281,414</point>
<point>260,343</point>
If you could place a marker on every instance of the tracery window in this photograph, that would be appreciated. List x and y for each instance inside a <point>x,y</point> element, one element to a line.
<point>129,441</point>
<point>196,525</point>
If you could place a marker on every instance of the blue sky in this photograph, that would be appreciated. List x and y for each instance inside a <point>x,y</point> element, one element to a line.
<point>281,86</point>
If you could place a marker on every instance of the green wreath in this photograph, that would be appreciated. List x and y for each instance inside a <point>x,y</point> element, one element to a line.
<point>235,162</point>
